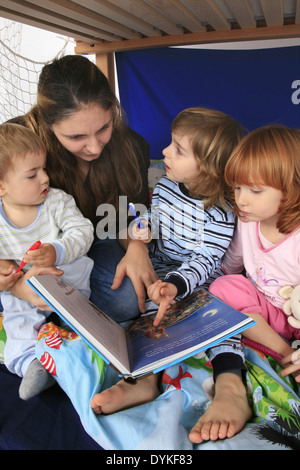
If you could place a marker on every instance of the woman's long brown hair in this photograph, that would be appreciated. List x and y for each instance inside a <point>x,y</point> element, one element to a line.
<point>65,86</point>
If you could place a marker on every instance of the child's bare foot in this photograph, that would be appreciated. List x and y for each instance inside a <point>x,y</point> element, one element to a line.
<point>125,395</point>
<point>228,412</point>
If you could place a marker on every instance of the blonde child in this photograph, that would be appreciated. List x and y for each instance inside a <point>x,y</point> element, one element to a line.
<point>191,221</point>
<point>31,211</point>
<point>191,224</point>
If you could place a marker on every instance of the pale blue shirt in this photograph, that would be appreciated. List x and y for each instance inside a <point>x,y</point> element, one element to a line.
<point>58,222</point>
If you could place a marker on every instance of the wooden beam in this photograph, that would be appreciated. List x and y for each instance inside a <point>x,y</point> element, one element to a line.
<point>245,34</point>
<point>105,62</point>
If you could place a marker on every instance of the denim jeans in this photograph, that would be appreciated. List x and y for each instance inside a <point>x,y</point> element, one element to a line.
<point>120,304</point>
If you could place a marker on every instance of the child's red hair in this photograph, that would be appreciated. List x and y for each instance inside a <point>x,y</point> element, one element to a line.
<point>270,156</point>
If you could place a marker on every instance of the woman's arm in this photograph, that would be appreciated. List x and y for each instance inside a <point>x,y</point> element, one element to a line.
<point>23,291</point>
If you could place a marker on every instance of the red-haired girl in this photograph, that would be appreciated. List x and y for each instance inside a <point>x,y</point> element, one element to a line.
<point>264,174</point>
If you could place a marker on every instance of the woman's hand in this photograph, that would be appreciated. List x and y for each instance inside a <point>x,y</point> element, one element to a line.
<point>162,294</point>
<point>23,291</point>
<point>8,277</point>
<point>137,265</point>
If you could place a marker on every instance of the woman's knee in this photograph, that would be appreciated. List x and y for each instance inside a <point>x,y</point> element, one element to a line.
<point>120,304</point>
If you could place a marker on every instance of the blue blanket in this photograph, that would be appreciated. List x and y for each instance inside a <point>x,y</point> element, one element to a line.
<point>187,389</point>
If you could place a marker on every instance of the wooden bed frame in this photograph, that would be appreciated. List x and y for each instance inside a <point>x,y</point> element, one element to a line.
<point>102,27</point>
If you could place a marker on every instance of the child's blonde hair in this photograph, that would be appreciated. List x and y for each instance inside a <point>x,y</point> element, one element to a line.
<point>16,141</point>
<point>213,136</point>
<point>270,156</point>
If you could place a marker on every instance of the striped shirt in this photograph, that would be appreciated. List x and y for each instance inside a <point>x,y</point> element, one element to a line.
<point>189,241</point>
<point>58,222</point>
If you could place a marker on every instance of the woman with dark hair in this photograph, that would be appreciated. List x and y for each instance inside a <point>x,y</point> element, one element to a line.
<point>95,157</point>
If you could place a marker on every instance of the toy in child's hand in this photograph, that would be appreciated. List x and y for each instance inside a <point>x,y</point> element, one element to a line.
<point>292,306</point>
<point>35,246</point>
<point>138,221</point>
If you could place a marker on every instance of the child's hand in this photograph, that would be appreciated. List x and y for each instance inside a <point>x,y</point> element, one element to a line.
<point>45,255</point>
<point>8,277</point>
<point>142,234</point>
<point>292,363</point>
<point>162,294</point>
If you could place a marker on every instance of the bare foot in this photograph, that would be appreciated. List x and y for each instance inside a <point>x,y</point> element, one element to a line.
<point>227,414</point>
<point>124,395</point>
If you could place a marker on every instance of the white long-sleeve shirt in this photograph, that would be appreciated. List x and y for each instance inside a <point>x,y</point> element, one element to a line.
<point>58,222</point>
<point>191,241</point>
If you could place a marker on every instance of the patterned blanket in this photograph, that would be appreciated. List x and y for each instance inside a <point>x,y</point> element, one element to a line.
<point>187,390</point>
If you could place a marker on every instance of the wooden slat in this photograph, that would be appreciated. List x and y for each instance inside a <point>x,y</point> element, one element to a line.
<point>46,17</point>
<point>273,11</point>
<point>242,12</point>
<point>245,34</point>
<point>128,24</point>
<point>75,12</point>
<point>119,15</point>
<point>209,12</point>
<point>149,14</point>
<point>179,13</point>
<point>15,16</point>
<point>297,17</point>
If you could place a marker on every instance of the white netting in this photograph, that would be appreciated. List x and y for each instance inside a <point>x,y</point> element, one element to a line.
<point>18,74</point>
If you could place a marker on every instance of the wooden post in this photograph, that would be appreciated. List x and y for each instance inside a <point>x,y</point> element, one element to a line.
<point>105,62</point>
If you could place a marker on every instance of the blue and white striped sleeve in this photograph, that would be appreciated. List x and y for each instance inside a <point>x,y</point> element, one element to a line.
<point>204,261</point>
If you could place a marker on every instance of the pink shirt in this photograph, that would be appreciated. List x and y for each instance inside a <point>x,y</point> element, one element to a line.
<point>268,266</point>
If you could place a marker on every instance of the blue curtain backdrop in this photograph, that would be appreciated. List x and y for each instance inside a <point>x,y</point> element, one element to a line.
<point>256,87</point>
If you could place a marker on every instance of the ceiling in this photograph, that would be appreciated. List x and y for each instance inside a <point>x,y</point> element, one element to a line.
<point>112,25</point>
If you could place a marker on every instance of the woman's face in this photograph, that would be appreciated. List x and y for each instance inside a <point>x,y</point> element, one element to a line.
<point>86,132</point>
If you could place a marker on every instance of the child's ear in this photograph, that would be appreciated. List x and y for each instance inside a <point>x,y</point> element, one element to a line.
<point>2,188</point>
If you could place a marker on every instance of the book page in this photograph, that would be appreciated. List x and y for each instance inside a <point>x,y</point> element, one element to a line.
<point>192,324</point>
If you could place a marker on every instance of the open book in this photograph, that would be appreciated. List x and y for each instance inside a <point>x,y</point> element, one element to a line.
<point>189,326</point>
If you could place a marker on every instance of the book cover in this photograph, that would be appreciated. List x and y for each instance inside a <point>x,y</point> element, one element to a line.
<point>189,326</point>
